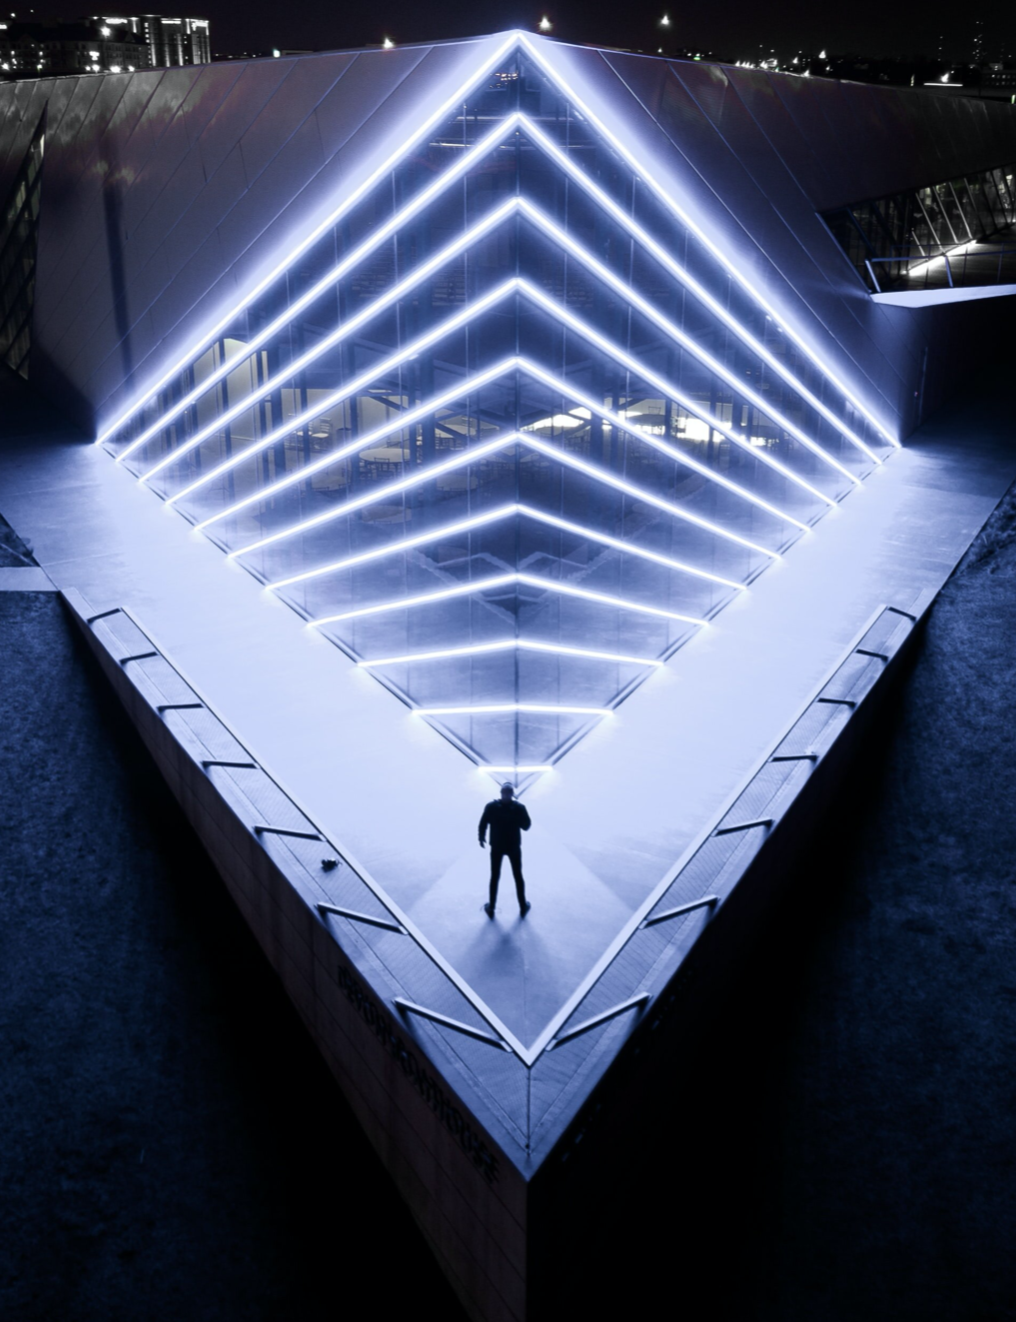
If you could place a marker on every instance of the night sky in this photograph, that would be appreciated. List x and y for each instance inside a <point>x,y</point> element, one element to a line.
<point>732,29</point>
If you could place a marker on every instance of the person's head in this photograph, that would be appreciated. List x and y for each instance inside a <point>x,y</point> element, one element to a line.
<point>507,791</point>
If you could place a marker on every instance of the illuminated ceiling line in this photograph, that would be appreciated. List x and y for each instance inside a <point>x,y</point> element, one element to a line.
<point>678,397</point>
<point>472,383</point>
<point>511,645</point>
<point>636,300</point>
<point>417,276</point>
<point>492,516</point>
<point>671,452</point>
<point>293,369</point>
<point>447,108</point>
<point>563,388</point>
<point>672,205</point>
<point>608,478</point>
<point>345,328</point>
<point>513,120</point>
<point>503,581</point>
<point>451,324</point>
<point>685,277</point>
<point>465,457</point>
<point>499,708</point>
<point>400,423</point>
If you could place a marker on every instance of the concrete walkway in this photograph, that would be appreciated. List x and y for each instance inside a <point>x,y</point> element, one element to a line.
<point>620,809</point>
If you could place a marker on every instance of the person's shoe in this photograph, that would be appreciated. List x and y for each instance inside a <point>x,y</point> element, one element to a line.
<point>525,909</point>
<point>488,909</point>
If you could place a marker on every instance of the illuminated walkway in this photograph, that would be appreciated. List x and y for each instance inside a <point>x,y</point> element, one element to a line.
<point>401,801</point>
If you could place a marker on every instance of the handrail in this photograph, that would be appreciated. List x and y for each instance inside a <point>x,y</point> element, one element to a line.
<point>954,257</point>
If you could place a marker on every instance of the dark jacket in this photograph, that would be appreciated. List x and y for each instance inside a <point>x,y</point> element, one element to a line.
<point>505,820</point>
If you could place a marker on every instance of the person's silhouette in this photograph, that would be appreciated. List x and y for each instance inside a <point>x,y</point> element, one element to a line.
<point>506,818</point>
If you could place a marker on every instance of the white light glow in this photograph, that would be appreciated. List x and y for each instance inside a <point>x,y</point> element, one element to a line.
<point>399,423</point>
<point>340,333</point>
<point>652,181</point>
<point>533,442</point>
<point>688,404</point>
<point>506,708</point>
<point>604,475</point>
<point>505,581</point>
<point>493,516</point>
<point>505,770</point>
<point>403,544</point>
<point>554,231</point>
<point>348,263</point>
<point>424,599</point>
<point>646,241</point>
<point>932,262</point>
<point>448,107</point>
<point>460,459</point>
<point>509,645</point>
<point>362,382</point>
<point>627,547</point>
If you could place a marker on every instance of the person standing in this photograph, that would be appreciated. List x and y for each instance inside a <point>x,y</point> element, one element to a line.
<point>507,819</point>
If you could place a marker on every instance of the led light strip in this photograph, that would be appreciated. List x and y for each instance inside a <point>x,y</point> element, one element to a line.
<point>517,120</point>
<point>337,336</point>
<point>628,548</point>
<point>417,277</point>
<point>448,107</point>
<point>448,327</point>
<point>509,645</point>
<point>394,548</point>
<point>640,493</point>
<point>503,581</point>
<point>504,512</point>
<point>471,384</point>
<point>672,205</point>
<point>626,292</point>
<point>646,241</point>
<point>400,423</point>
<point>521,771</point>
<point>505,708</point>
<point>465,457</point>
<point>690,406</point>
<point>461,459</point>
<point>362,382</point>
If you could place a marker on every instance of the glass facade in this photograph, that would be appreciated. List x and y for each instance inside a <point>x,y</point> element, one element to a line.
<point>898,234</point>
<point>19,223</point>
<point>508,432</point>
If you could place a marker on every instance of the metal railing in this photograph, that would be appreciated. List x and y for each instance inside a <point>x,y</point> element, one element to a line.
<point>965,266</point>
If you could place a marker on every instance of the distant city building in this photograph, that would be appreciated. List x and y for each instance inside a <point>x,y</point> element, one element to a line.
<point>170,41</point>
<point>59,46</point>
<point>97,44</point>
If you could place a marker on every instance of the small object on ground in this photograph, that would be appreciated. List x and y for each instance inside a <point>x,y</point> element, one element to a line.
<point>328,864</point>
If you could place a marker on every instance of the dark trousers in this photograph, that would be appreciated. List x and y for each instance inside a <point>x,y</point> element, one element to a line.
<point>514,857</point>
